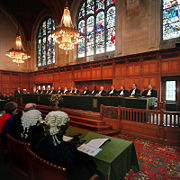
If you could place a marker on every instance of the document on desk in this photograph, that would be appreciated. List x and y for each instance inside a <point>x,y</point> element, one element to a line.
<point>98,142</point>
<point>92,148</point>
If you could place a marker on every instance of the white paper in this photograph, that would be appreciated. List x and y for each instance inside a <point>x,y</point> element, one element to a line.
<point>67,138</point>
<point>97,143</point>
<point>91,151</point>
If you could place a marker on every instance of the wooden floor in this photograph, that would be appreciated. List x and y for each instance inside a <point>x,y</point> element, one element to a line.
<point>87,120</point>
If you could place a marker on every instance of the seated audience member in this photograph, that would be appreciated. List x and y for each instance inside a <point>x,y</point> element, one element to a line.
<point>123,92</point>
<point>18,92</point>
<point>5,97</point>
<point>6,119</point>
<point>1,96</point>
<point>11,98</point>
<point>86,91</point>
<point>59,91</point>
<point>71,91</point>
<point>65,91</point>
<point>150,92</point>
<point>94,91</point>
<point>48,90</point>
<point>51,147</point>
<point>113,91</point>
<point>102,92</point>
<point>76,91</point>
<point>15,129</point>
<point>31,127</point>
<point>135,92</point>
<point>52,91</point>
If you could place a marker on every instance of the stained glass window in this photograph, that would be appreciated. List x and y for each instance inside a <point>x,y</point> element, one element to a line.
<point>45,44</point>
<point>96,26</point>
<point>171,19</point>
<point>170,90</point>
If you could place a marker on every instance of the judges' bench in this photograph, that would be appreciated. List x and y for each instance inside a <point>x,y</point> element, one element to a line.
<point>92,103</point>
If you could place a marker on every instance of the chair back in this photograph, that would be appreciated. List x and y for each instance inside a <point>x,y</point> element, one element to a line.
<point>43,169</point>
<point>18,155</point>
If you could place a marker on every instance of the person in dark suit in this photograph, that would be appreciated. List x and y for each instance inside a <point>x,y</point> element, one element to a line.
<point>18,92</point>
<point>71,91</point>
<point>37,91</point>
<point>135,92</point>
<point>150,92</point>
<point>11,98</point>
<point>76,91</point>
<point>102,92</point>
<point>113,91</point>
<point>59,91</point>
<point>5,97</point>
<point>52,147</point>
<point>43,91</point>
<point>48,90</point>
<point>94,91</point>
<point>65,91</point>
<point>86,91</point>
<point>123,92</point>
<point>52,91</point>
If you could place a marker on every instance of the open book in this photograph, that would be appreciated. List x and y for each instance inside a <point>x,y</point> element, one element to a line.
<point>92,148</point>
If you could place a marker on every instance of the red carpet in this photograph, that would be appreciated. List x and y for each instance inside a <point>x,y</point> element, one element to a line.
<point>156,161</point>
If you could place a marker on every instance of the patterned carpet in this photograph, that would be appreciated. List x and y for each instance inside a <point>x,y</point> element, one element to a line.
<point>156,161</point>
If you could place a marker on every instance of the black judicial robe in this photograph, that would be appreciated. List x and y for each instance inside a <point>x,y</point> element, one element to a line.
<point>153,93</point>
<point>137,92</point>
<point>79,165</point>
<point>86,93</point>
<point>115,93</point>
<point>125,94</point>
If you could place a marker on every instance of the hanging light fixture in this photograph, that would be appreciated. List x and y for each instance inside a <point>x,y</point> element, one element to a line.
<point>18,54</point>
<point>65,35</point>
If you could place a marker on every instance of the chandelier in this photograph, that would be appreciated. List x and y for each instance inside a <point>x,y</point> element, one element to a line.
<point>65,35</point>
<point>17,54</point>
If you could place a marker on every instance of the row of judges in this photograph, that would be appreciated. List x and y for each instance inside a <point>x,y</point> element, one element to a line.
<point>134,92</point>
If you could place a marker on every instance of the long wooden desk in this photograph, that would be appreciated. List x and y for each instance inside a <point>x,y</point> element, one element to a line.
<point>92,103</point>
<point>117,156</point>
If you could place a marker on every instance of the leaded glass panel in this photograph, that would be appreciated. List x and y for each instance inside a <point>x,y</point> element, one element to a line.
<point>100,4</point>
<point>90,7</point>
<point>171,19</point>
<point>100,33</point>
<point>82,11</point>
<point>45,44</point>
<point>109,2</point>
<point>81,44</point>
<point>96,26</point>
<point>90,36</point>
<point>110,25</point>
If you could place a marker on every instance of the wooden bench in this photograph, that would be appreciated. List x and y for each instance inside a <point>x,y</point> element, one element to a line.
<point>43,169</point>
<point>18,155</point>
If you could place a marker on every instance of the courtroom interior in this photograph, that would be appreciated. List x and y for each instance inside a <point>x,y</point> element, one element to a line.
<point>89,89</point>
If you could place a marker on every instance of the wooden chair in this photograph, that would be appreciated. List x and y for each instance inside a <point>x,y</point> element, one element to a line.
<point>18,155</point>
<point>43,169</point>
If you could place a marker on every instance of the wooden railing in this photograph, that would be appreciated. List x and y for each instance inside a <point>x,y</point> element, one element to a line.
<point>144,123</point>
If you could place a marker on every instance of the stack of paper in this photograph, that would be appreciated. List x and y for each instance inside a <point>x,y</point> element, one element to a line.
<point>92,148</point>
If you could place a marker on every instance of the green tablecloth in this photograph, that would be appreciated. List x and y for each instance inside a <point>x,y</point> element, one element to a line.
<point>117,157</point>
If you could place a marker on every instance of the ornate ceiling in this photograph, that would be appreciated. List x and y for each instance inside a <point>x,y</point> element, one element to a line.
<point>26,11</point>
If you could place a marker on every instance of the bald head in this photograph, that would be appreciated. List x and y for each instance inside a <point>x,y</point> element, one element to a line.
<point>29,106</point>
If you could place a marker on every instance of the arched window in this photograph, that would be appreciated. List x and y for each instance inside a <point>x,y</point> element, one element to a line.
<point>171,19</point>
<point>45,44</point>
<point>96,25</point>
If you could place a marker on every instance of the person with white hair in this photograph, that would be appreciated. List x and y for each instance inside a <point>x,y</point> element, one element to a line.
<point>27,126</point>
<point>53,148</point>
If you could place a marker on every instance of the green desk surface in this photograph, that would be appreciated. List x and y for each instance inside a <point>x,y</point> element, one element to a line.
<point>117,156</point>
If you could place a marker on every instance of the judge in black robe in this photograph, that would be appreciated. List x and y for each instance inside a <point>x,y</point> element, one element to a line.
<point>113,91</point>
<point>86,91</point>
<point>94,91</point>
<point>150,92</point>
<point>123,92</point>
<point>135,92</point>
